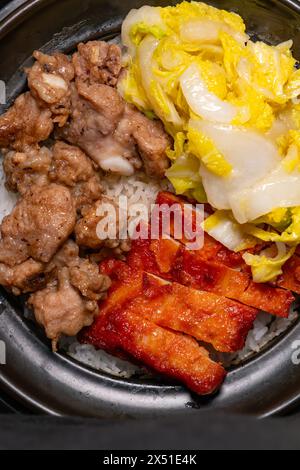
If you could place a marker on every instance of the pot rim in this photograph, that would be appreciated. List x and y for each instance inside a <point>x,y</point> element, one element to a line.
<point>88,392</point>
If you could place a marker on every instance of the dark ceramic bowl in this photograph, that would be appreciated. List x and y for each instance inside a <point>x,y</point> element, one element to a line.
<point>53,383</point>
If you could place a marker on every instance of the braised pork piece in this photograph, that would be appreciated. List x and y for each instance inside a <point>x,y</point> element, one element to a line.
<point>25,123</point>
<point>69,300</point>
<point>58,178</point>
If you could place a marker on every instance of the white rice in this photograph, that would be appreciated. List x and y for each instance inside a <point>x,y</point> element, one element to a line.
<point>265,329</point>
<point>143,190</point>
<point>98,359</point>
<point>138,189</point>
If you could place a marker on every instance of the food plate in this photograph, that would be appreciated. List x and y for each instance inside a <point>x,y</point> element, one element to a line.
<point>56,384</point>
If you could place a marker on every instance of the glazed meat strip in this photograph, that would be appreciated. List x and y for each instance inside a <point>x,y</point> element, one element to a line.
<point>98,62</point>
<point>212,250</point>
<point>120,327</point>
<point>290,277</point>
<point>170,260</point>
<point>220,279</point>
<point>207,317</point>
<point>25,123</point>
<point>173,354</point>
<point>49,81</point>
<point>39,224</point>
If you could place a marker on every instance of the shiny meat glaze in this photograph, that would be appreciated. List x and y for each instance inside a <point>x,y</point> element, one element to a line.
<point>121,327</point>
<point>214,251</point>
<point>207,317</point>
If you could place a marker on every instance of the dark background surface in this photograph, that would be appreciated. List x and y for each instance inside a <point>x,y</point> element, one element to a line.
<point>203,431</point>
<point>3,3</point>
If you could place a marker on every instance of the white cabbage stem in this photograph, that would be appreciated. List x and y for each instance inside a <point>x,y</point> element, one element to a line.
<point>202,101</point>
<point>146,64</point>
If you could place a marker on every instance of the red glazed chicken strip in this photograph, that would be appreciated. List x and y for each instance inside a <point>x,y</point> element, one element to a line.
<point>170,260</point>
<point>290,278</point>
<point>173,354</point>
<point>206,316</point>
<point>212,250</point>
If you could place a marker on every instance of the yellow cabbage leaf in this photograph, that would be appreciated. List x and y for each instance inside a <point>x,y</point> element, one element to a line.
<point>291,235</point>
<point>266,268</point>
<point>204,148</point>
